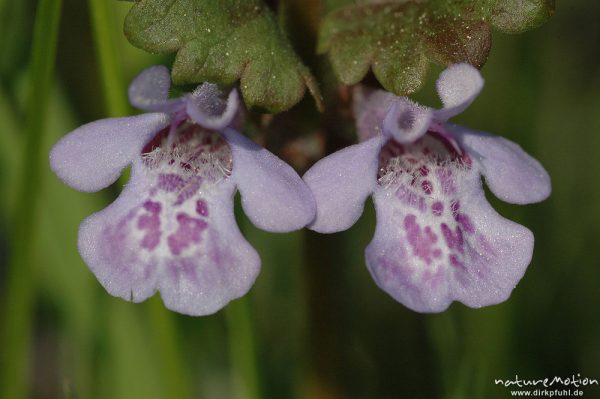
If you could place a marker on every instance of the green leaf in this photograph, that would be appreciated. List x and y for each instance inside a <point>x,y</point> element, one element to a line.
<point>397,39</point>
<point>222,42</point>
<point>516,16</point>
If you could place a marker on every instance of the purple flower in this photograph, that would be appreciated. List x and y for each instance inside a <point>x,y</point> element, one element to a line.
<point>437,238</point>
<point>172,228</point>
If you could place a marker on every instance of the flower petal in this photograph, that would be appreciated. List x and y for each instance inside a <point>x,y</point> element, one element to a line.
<point>370,107</point>
<point>190,249</point>
<point>447,245</point>
<point>92,156</point>
<point>149,91</point>
<point>274,197</point>
<point>406,121</point>
<point>457,86</point>
<point>207,107</point>
<point>510,173</point>
<point>341,182</point>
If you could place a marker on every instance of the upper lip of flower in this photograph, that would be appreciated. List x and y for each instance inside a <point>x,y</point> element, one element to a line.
<point>149,91</point>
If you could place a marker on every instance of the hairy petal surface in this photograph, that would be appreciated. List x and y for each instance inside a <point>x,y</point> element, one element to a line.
<point>92,156</point>
<point>207,107</point>
<point>341,182</point>
<point>511,174</point>
<point>406,121</point>
<point>274,197</point>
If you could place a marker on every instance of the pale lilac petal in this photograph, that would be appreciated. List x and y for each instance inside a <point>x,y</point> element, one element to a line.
<point>457,86</point>
<point>370,107</point>
<point>510,173</point>
<point>150,90</point>
<point>188,247</point>
<point>341,182</point>
<point>224,267</point>
<point>108,248</point>
<point>273,196</point>
<point>92,156</point>
<point>406,121</point>
<point>207,107</point>
<point>431,249</point>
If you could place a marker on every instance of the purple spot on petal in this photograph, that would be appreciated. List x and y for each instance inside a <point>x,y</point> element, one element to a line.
<point>454,261</point>
<point>465,223</point>
<point>447,235</point>
<point>156,142</point>
<point>437,208</point>
<point>454,240</point>
<point>430,234</point>
<point>455,207</point>
<point>151,239</point>
<point>152,207</point>
<point>192,185</point>
<point>170,182</point>
<point>421,241</point>
<point>150,223</point>
<point>427,187</point>
<point>201,207</point>
<point>189,231</point>
<point>146,222</point>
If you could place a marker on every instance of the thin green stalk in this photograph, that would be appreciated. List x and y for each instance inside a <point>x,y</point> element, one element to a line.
<point>106,54</point>
<point>18,302</point>
<point>448,346</point>
<point>116,105</point>
<point>169,351</point>
<point>242,350</point>
<point>9,157</point>
<point>243,358</point>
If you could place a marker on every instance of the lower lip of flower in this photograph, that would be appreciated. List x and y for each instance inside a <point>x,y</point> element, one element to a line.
<point>423,181</point>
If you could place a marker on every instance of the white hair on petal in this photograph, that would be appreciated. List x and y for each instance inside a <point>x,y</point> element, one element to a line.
<point>195,152</point>
<point>402,165</point>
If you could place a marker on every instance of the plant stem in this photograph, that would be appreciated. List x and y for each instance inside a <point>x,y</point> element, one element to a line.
<point>18,302</point>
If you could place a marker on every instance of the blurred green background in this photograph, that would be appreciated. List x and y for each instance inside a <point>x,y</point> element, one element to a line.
<point>314,325</point>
